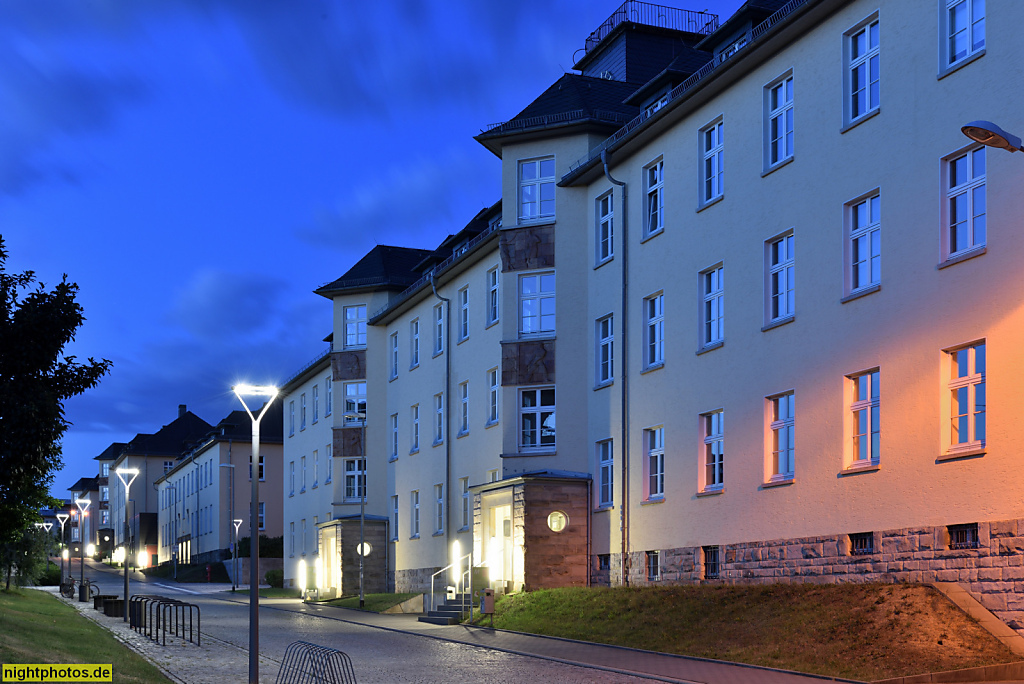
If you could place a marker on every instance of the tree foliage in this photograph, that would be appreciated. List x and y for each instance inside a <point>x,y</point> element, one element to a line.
<point>26,558</point>
<point>35,380</point>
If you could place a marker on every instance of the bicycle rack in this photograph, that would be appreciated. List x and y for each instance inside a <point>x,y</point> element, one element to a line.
<point>150,614</point>
<point>306,663</point>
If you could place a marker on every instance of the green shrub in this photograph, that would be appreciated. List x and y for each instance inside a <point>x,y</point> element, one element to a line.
<point>50,576</point>
<point>270,547</point>
<point>275,578</point>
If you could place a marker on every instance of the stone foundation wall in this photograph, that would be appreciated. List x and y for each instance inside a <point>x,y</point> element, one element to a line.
<point>417,580</point>
<point>993,572</point>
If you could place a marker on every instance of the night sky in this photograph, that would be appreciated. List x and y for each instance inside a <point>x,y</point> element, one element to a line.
<point>199,167</point>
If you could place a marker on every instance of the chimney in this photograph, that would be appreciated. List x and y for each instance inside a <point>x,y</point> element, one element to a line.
<point>181,410</point>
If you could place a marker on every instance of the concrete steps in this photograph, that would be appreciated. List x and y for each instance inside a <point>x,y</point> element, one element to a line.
<point>449,612</point>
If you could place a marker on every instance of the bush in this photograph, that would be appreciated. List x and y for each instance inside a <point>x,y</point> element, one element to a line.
<point>50,576</point>
<point>275,578</point>
<point>270,547</point>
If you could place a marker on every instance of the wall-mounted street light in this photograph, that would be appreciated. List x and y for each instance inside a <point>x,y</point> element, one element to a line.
<point>126,476</point>
<point>363,551</point>
<point>254,533</point>
<point>83,507</point>
<point>991,135</point>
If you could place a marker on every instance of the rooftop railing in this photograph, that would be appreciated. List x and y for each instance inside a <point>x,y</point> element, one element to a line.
<point>650,14</point>
<point>560,117</point>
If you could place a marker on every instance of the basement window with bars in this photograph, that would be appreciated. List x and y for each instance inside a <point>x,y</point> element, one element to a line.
<point>653,565</point>
<point>712,568</point>
<point>963,536</point>
<point>862,544</point>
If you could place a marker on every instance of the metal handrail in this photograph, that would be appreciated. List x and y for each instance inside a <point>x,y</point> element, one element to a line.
<point>649,14</point>
<point>547,119</point>
<point>447,568</point>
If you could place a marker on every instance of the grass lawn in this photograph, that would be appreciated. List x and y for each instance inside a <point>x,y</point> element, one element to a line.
<point>272,592</point>
<point>373,603</point>
<point>36,627</point>
<point>858,631</point>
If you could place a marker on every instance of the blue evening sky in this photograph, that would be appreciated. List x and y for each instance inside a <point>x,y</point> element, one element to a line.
<point>198,167</point>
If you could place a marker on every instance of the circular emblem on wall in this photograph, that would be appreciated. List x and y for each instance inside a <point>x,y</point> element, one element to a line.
<point>557,521</point>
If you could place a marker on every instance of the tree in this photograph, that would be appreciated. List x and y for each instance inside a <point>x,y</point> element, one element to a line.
<point>27,557</point>
<point>35,380</point>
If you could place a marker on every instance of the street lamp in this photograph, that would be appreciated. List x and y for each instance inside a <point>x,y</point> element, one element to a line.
<point>234,551</point>
<point>62,518</point>
<point>987,133</point>
<point>126,476</point>
<point>231,516</point>
<point>361,416</point>
<point>254,535</point>
<point>174,548</point>
<point>81,543</point>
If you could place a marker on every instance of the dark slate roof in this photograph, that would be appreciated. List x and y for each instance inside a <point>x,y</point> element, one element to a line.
<point>238,426</point>
<point>173,438</point>
<point>84,484</point>
<point>383,267</point>
<point>680,69</point>
<point>111,452</point>
<point>753,11</point>
<point>477,225</point>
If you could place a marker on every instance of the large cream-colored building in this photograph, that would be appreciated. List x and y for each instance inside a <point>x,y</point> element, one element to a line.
<point>812,152</point>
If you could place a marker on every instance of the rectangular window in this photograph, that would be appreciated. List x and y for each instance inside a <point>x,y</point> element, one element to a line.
<point>355,327</point>
<point>414,509</point>
<point>654,462</point>
<point>537,303</point>
<point>862,73</point>
<point>463,313</point>
<point>168,466</point>
<point>328,395</point>
<point>291,418</point>
<point>605,350</point>
<point>316,403</point>
<point>653,565</point>
<point>464,401</point>
<point>864,243</point>
<point>438,329</point>
<point>105,470</point>
<point>316,468</point>
<point>394,355</point>
<point>291,477</point>
<point>783,445</point>
<point>605,473</point>
<point>967,405</point>
<point>965,202</point>
<point>438,418</point>
<point>964,536</point>
<point>303,525</point>
<point>492,296</point>
<point>394,517</point>
<point>329,457</point>
<point>104,493</point>
<point>104,517</point>
<point>864,416</point>
<point>537,418</point>
<point>492,475</point>
<point>303,474</point>
<point>414,337</point>
<point>779,120</point>
<point>714,450</point>
<point>291,537</point>
<point>466,508</point>
<point>355,403</point>
<point>712,287</point>
<point>536,189</point>
<point>262,516</point>
<point>188,487</point>
<point>605,228</point>
<point>654,330</point>
<point>438,509</point>
<point>355,478</point>
<point>962,23</point>
<point>492,410</point>
<point>654,179</point>
<point>415,428</point>
<point>302,415</point>
<point>862,544</point>
<point>781,273</point>
<point>394,436</point>
<point>712,568</point>
<point>713,151</point>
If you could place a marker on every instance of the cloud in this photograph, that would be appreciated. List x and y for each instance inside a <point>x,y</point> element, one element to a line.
<point>218,304</point>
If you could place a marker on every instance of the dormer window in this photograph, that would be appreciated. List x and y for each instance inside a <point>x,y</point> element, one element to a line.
<point>733,48</point>
<point>656,105</point>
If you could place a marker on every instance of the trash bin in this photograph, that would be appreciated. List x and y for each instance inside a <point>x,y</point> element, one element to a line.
<point>83,593</point>
<point>487,601</point>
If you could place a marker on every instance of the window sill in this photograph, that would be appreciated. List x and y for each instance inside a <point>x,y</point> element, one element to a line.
<point>543,221</point>
<point>545,335</point>
<point>414,450</point>
<point>415,536</point>
<point>394,539</point>
<point>604,507</point>
<point>653,367</point>
<point>602,262</point>
<point>778,322</point>
<point>711,491</point>
<point>602,385</point>
<point>315,485</point>
<point>710,347</point>
<point>461,434</point>
<point>861,293</point>
<point>392,378</point>
<point>290,494</point>
<point>437,443</point>
<point>526,454</point>
<point>963,453</point>
<point>648,236</point>
<point>653,500</point>
<point>460,341</point>
<point>437,353</point>
<point>302,491</point>
<point>777,165</point>
<point>962,256</point>
<point>861,119</point>
<point>464,528</point>
<point>392,458</point>
<point>711,202</point>
<point>327,481</point>
<point>490,424</point>
<point>946,71</point>
<point>491,324</point>
<point>351,500</point>
<point>780,482</point>
<point>856,469</point>
<point>414,366</point>
<point>439,533</point>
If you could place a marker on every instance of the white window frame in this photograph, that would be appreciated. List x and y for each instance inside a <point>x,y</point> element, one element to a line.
<point>329,459</point>
<point>355,479</point>
<point>415,436</point>
<point>302,414</point>
<point>328,395</point>
<point>302,474</point>
<point>493,299</point>
<point>780,451</point>
<point>712,461</point>
<point>605,336</point>
<point>712,306</point>
<point>262,515</point>
<point>467,509</point>
<point>654,330</point>
<point>463,313</point>
<point>291,478</point>
<point>712,165</point>
<point>863,432</point>
<point>541,414</point>
<point>494,392</point>
<point>291,418</point>
<point>604,237</point>
<point>394,355</point>
<point>970,411</point>
<point>948,60</point>
<point>654,463</point>
<point>654,202</point>
<point>355,401</point>
<point>355,326</point>
<point>464,406</point>
<point>536,176</point>
<point>538,300</point>
<point>605,485</point>
<point>394,517</point>
<point>414,514</point>
<point>438,418</point>
<point>394,436</point>
<point>859,66</point>
<point>438,320</point>
<point>780,272</point>
<point>316,468</point>
<point>414,341</point>
<point>974,192</point>
<point>779,131</point>
<point>438,509</point>
<point>862,248</point>
<point>316,404</point>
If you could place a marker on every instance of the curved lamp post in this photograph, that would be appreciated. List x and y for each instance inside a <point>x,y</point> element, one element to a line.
<point>361,416</point>
<point>62,518</point>
<point>126,476</point>
<point>254,533</point>
<point>991,135</point>
<point>81,542</point>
